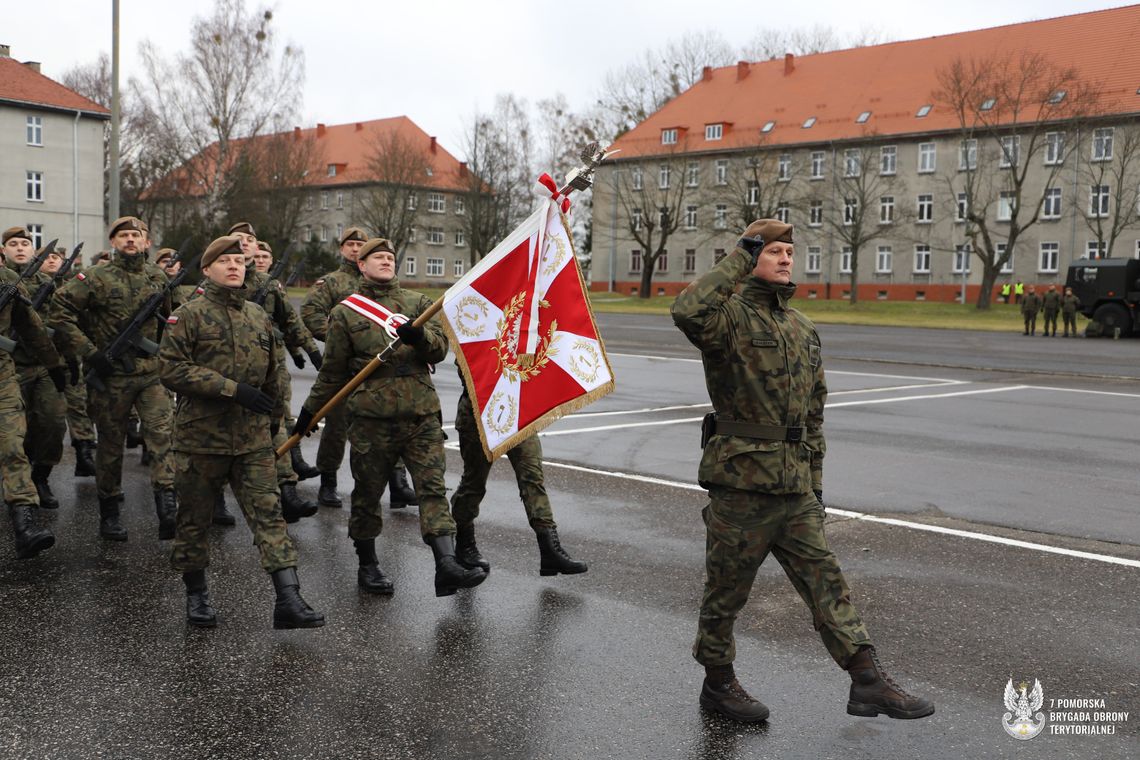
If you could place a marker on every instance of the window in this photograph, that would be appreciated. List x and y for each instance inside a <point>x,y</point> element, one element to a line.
<point>753,193</point>
<point>410,266</point>
<point>1010,151</point>
<point>411,201</point>
<point>339,230</point>
<point>457,268</point>
<point>339,199</point>
<point>1102,144</point>
<point>814,261</point>
<point>663,176</point>
<point>963,208</point>
<point>862,118</point>
<point>412,234</point>
<point>307,236</point>
<point>324,200</point>
<point>852,163</point>
<point>722,171</point>
<point>784,172</point>
<point>925,209</point>
<point>460,205</point>
<point>635,260</point>
<point>332,170</point>
<point>434,267</point>
<point>324,233</point>
<point>1005,205</point>
<point>1137,254</point>
<point>809,123</point>
<point>308,203</point>
<point>767,127</point>
<point>1051,208</point>
<point>436,203</point>
<point>719,254</point>
<point>690,217</point>
<point>887,209</point>
<point>922,259</point>
<point>968,155</point>
<point>637,179</point>
<point>988,104</point>
<point>888,159</point>
<point>1054,148</point>
<point>35,130</point>
<point>1007,267</point>
<point>850,210</point>
<point>460,238</point>
<point>692,174</point>
<point>817,158</point>
<point>1096,249</point>
<point>962,258</point>
<point>662,262</point>
<point>845,260</point>
<point>690,260</point>
<point>782,213</point>
<point>1057,97</point>
<point>926,158</point>
<point>34,186</point>
<point>1049,255</point>
<point>37,233</point>
<point>720,218</point>
<point>1098,200</point>
<point>883,259</point>
<point>714,131</point>
<point>636,220</point>
<point>435,235</point>
<point>815,214</point>
<point>669,137</point>
<point>923,111</point>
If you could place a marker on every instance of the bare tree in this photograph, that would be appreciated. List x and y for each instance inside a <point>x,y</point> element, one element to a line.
<point>1011,109</point>
<point>1109,169</point>
<point>396,170</point>
<point>268,183</point>
<point>767,44</point>
<point>763,184</point>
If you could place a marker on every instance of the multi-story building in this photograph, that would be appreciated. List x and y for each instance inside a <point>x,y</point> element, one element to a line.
<point>51,147</point>
<point>902,161</point>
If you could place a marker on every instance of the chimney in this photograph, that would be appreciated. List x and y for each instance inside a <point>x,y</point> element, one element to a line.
<point>433,144</point>
<point>296,133</point>
<point>462,168</point>
<point>359,127</point>
<point>320,130</point>
<point>789,63</point>
<point>5,51</point>
<point>742,69</point>
<point>33,65</point>
<point>706,74</point>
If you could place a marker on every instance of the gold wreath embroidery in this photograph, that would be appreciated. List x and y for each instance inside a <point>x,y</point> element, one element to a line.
<point>521,367</point>
<point>585,364</point>
<point>501,417</point>
<point>552,262</point>
<point>466,320</point>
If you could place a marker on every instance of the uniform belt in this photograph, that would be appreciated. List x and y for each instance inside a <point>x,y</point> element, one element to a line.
<point>789,433</point>
<point>400,370</point>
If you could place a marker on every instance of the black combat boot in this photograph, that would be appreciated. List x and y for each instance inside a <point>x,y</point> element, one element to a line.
<point>109,527</point>
<point>303,469</point>
<point>290,611</point>
<point>40,474</point>
<point>293,507</point>
<point>134,437</point>
<point>451,576</point>
<point>370,577</point>
<point>554,559</point>
<point>199,612</point>
<point>166,507</point>
<point>30,540</point>
<point>400,491</point>
<point>84,458</point>
<point>466,552</point>
<point>222,515</point>
<point>145,458</point>
<point>874,692</point>
<point>326,494</point>
<point>722,693</point>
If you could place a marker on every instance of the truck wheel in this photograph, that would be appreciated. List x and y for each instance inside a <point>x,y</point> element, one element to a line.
<point>1112,316</point>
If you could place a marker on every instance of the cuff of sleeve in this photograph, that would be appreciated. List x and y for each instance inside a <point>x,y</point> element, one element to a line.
<point>229,388</point>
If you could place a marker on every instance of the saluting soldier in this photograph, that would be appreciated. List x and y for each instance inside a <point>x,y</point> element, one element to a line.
<point>88,313</point>
<point>763,468</point>
<point>394,414</point>
<point>1030,305</point>
<point>15,471</point>
<point>1069,305</point>
<point>44,406</point>
<point>218,355</point>
<point>326,293</point>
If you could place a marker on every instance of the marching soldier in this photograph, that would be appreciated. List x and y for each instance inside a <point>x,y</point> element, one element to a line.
<point>88,313</point>
<point>763,468</point>
<point>326,293</point>
<point>394,414</point>
<point>1050,305</point>
<point>1030,305</point>
<point>80,427</point>
<point>218,355</point>
<point>165,261</point>
<point>15,471</point>
<point>1069,305</point>
<point>526,459</point>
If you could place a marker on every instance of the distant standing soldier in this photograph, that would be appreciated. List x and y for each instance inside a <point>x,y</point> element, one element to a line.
<point>1018,291</point>
<point>88,312</point>
<point>1005,291</point>
<point>1069,305</point>
<point>1030,305</point>
<point>218,355</point>
<point>1051,304</point>
<point>394,414</point>
<point>763,468</point>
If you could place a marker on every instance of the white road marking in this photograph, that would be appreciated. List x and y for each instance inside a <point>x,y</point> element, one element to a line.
<point>928,396</point>
<point>1082,390</point>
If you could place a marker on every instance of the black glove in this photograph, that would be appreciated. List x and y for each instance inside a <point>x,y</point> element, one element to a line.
<point>299,360</point>
<point>304,419</point>
<point>253,399</point>
<point>73,368</point>
<point>315,358</point>
<point>58,378</point>
<point>752,246</point>
<point>275,426</point>
<point>819,496</point>
<point>100,364</point>
<point>410,334</point>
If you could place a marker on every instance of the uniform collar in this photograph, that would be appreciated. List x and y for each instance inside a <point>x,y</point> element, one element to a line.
<point>349,267</point>
<point>771,294</point>
<point>223,295</point>
<point>129,263</point>
<point>379,289</point>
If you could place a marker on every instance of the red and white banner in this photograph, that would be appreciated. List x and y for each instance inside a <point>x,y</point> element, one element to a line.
<point>378,313</point>
<point>524,335</point>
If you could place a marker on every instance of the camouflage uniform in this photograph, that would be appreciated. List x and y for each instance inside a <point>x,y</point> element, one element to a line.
<point>78,423</point>
<point>212,343</point>
<point>1051,304</point>
<point>1069,305</point>
<point>1030,305</point>
<point>763,367</point>
<point>394,413</point>
<point>88,312</point>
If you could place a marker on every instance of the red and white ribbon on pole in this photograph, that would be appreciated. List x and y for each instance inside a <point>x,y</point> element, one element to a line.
<point>382,316</point>
<point>546,182</point>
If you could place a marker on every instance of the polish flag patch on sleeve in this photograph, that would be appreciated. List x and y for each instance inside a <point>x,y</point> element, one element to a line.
<point>81,276</point>
<point>172,320</point>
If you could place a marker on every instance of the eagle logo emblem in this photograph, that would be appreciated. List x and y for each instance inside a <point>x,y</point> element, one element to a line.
<point>1020,722</point>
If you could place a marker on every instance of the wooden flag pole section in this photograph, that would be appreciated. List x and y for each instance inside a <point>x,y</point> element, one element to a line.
<point>360,377</point>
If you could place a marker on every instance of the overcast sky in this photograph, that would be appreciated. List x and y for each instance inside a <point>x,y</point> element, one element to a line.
<point>438,61</point>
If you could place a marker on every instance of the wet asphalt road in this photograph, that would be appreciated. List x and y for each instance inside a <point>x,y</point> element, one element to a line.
<point>95,660</point>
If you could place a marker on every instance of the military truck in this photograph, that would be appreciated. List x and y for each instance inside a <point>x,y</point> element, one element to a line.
<point>1109,290</point>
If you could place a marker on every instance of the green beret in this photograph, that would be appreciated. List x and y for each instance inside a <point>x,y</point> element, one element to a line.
<point>244,228</point>
<point>224,244</point>
<point>125,223</point>
<point>163,254</point>
<point>769,231</point>
<point>353,233</point>
<point>263,246</point>
<point>374,245</point>
<point>16,232</point>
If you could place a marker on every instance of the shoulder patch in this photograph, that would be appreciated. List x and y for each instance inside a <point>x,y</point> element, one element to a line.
<point>320,281</point>
<point>80,276</point>
<point>199,290</point>
<point>172,320</point>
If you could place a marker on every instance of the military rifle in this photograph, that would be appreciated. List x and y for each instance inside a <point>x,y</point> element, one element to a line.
<point>296,275</point>
<point>44,292</point>
<point>274,273</point>
<point>11,291</point>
